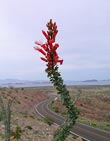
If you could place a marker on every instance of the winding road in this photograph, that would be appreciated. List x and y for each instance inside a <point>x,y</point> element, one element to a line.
<point>86,132</point>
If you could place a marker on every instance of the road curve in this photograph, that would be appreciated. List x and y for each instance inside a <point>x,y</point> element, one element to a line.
<point>86,132</point>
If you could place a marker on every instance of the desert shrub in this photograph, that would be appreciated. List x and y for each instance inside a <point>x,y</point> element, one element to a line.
<point>26,97</point>
<point>29,127</point>
<point>22,89</point>
<point>49,121</point>
<point>56,109</point>
<point>18,102</point>
<point>93,123</point>
<point>17,133</point>
<point>31,116</point>
<point>3,92</point>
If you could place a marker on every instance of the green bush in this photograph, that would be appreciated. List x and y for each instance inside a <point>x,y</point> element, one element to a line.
<point>17,133</point>
<point>49,121</point>
<point>29,127</point>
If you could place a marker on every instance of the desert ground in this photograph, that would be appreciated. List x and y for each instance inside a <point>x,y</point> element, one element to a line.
<point>93,102</point>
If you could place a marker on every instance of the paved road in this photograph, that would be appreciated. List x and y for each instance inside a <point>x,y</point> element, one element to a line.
<point>86,132</point>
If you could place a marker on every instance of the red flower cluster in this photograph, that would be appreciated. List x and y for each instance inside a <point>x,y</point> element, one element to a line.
<point>49,48</point>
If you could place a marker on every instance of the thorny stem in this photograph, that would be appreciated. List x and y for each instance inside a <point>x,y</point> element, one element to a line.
<point>72,111</point>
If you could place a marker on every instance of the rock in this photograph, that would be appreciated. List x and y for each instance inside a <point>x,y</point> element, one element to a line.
<point>78,139</point>
<point>3,126</point>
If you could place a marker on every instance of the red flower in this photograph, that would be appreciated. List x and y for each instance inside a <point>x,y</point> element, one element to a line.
<point>40,50</point>
<point>45,34</point>
<point>56,46</point>
<point>43,59</point>
<point>44,46</point>
<point>60,61</point>
<point>49,48</point>
<point>38,43</point>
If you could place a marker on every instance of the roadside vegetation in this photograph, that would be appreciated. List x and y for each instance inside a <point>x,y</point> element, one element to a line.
<point>94,105</point>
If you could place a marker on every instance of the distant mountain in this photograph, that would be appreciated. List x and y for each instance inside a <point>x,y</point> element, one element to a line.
<point>107,80</point>
<point>23,83</point>
<point>29,83</point>
<point>6,81</point>
<point>92,80</point>
<point>17,81</point>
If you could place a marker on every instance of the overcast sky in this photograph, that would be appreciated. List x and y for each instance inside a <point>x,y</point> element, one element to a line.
<point>84,38</point>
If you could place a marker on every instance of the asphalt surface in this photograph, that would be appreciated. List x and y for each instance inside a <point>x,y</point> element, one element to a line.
<point>86,132</point>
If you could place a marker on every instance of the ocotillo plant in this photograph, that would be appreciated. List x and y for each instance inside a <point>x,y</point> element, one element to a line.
<point>6,112</point>
<point>51,57</point>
